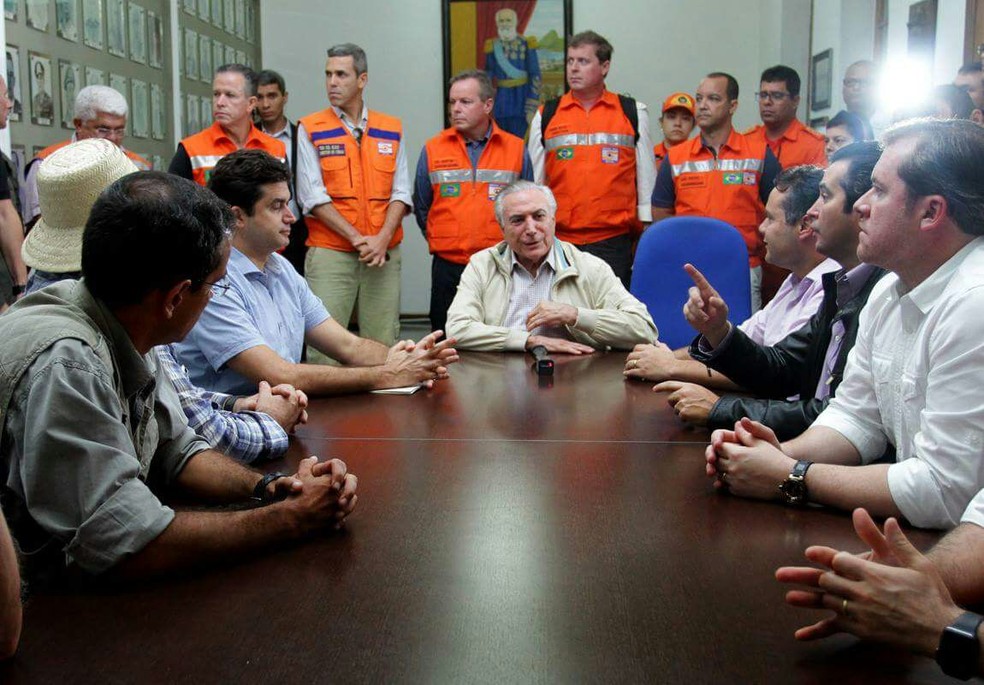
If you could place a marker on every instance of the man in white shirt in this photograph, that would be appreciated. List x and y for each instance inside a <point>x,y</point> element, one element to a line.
<point>913,379</point>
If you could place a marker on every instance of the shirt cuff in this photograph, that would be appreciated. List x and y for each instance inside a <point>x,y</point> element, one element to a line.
<point>122,525</point>
<point>912,486</point>
<point>868,445</point>
<point>711,352</point>
<point>587,320</point>
<point>516,340</point>
<point>645,213</point>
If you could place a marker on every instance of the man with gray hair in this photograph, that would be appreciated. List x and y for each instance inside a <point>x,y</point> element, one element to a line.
<point>353,184</point>
<point>913,378</point>
<point>233,102</point>
<point>100,112</point>
<point>533,289</point>
<point>459,174</point>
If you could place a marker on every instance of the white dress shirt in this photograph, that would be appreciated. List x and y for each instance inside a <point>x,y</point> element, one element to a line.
<point>914,379</point>
<point>310,183</point>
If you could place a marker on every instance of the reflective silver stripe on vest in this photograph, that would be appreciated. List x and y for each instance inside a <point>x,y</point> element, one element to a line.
<point>451,176</point>
<point>704,166</point>
<point>205,161</point>
<point>572,139</point>
<point>495,176</point>
<point>465,176</point>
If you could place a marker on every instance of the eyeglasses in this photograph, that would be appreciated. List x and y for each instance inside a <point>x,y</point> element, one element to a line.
<point>856,82</point>
<point>771,96</point>
<point>217,289</point>
<point>106,132</point>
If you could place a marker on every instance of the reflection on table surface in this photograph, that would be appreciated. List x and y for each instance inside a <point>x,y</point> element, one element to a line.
<point>563,534</point>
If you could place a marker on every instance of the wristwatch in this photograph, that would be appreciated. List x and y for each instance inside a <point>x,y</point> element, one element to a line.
<point>793,490</point>
<point>959,649</point>
<point>260,493</point>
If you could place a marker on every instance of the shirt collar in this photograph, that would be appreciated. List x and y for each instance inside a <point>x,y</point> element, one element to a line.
<point>733,142</point>
<point>363,117</point>
<point>820,269</point>
<point>550,260</point>
<point>285,131</point>
<point>925,295</point>
<point>850,283</point>
<point>245,265</point>
<point>481,141</point>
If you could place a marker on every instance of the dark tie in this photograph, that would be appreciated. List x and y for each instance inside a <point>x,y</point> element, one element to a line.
<point>357,134</point>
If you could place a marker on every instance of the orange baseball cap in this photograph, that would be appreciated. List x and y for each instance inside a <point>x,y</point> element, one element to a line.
<point>682,100</point>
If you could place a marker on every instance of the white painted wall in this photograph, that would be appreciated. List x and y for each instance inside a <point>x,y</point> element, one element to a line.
<point>660,46</point>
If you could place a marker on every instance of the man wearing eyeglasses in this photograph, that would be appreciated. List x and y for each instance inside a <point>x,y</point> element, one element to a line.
<point>791,141</point>
<point>860,93</point>
<point>100,112</point>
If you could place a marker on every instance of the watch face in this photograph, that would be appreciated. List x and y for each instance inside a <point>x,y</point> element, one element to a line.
<point>793,491</point>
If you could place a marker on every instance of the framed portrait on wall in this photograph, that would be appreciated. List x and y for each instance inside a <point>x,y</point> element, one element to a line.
<point>67,19</point>
<point>155,40</point>
<point>158,117</point>
<point>10,10</point>
<point>205,58</point>
<point>70,83</point>
<point>205,112</point>
<point>37,14</point>
<point>217,13</point>
<point>203,9</point>
<point>95,77</point>
<point>14,90</point>
<point>230,54</point>
<point>240,16</point>
<point>42,103</point>
<point>192,117</point>
<point>250,32</point>
<point>116,27</point>
<point>520,43</point>
<point>138,33</point>
<point>92,23</point>
<point>229,16</point>
<point>218,54</point>
<point>240,57</point>
<point>138,105</point>
<point>190,6</point>
<point>18,156</point>
<point>118,83</point>
<point>821,79</point>
<point>191,54</point>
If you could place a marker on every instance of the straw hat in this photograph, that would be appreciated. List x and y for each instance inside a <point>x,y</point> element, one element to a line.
<point>69,181</point>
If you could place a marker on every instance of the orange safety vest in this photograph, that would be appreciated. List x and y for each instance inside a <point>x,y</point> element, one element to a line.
<point>659,152</point>
<point>461,220</point>
<point>358,177</point>
<point>208,146</point>
<point>798,145</point>
<point>141,163</point>
<point>725,188</point>
<point>590,160</point>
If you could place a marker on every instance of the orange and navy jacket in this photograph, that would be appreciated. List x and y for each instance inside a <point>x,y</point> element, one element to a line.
<point>590,165</point>
<point>800,144</point>
<point>725,187</point>
<point>141,163</point>
<point>461,220</point>
<point>357,176</point>
<point>207,147</point>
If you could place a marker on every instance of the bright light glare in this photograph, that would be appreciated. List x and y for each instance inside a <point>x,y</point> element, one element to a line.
<point>905,82</point>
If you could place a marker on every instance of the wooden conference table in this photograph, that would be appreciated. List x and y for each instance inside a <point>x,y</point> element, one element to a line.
<point>507,531</point>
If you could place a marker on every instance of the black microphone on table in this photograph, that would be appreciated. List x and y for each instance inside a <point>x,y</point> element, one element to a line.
<point>542,363</point>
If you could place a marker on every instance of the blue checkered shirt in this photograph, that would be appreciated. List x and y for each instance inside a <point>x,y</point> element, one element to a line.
<point>246,436</point>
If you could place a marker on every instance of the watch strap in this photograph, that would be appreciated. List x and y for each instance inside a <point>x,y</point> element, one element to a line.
<point>260,491</point>
<point>959,651</point>
<point>800,469</point>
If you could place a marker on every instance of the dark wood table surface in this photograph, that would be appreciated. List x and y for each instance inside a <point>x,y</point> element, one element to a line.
<point>506,532</point>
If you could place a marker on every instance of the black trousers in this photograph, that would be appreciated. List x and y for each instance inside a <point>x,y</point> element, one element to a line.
<point>444,284</point>
<point>617,252</point>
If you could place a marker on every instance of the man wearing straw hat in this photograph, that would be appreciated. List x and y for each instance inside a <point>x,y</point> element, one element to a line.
<point>246,428</point>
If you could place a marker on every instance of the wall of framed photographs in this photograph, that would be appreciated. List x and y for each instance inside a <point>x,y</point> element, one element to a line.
<point>56,47</point>
<point>212,33</point>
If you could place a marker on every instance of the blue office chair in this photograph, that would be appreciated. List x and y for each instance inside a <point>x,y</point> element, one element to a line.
<point>659,281</point>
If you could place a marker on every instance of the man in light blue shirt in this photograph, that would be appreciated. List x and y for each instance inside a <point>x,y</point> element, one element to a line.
<point>258,326</point>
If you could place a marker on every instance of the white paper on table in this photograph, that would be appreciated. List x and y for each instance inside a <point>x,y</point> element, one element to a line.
<point>408,390</point>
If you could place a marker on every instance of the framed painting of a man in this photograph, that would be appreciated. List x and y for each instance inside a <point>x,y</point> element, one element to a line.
<point>42,104</point>
<point>521,43</point>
